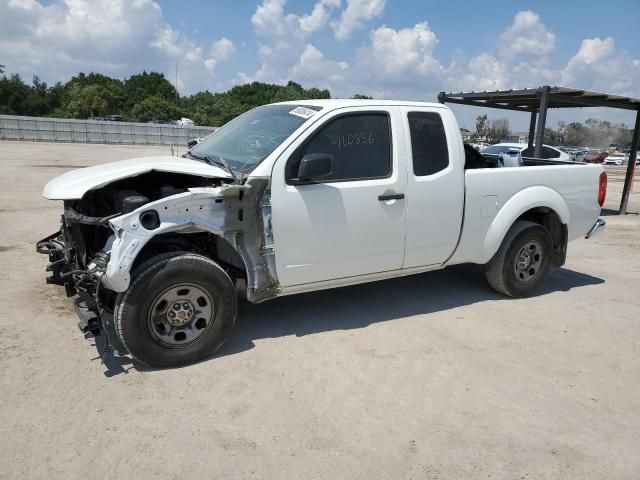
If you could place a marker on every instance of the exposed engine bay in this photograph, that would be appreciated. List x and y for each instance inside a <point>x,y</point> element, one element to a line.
<point>111,230</point>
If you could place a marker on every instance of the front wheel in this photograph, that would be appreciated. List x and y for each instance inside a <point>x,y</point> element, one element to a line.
<point>522,261</point>
<point>178,309</point>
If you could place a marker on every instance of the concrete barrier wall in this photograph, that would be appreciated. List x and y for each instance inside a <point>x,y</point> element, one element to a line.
<point>43,129</point>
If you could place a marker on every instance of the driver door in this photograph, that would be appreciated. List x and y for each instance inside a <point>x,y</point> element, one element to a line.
<point>345,224</point>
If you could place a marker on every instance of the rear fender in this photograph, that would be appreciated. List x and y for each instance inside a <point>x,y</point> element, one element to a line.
<point>524,200</point>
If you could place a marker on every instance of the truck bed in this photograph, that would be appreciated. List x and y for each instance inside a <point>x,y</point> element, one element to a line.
<point>496,197</point>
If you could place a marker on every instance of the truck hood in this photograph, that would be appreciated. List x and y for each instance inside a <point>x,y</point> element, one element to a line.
<point>74,184</point>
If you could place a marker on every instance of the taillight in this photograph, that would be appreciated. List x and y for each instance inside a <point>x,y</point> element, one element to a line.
<point>602,188</point>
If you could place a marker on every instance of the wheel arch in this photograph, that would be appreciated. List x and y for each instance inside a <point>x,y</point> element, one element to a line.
<point>234,216</point>
<point>537,204</point>
<point>210,245</point>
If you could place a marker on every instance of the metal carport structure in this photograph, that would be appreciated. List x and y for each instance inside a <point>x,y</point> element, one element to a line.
<point>537,101</point>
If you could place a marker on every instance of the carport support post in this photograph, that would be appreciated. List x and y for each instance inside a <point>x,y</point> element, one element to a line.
<point>542,121</point>
<point>532,128</point>
<point>631,165</point>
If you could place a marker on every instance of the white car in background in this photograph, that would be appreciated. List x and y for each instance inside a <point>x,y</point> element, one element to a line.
<point>616,159</point>
<point>548,152</point>
<point>185,122</point>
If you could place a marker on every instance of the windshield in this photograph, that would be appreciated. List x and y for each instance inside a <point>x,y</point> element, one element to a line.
<point>495,149</point>
<point>248,139</point>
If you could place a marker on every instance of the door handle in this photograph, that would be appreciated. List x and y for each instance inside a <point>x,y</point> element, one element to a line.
<point>390,196</point>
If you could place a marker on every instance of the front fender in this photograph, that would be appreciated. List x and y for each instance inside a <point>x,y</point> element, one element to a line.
<point>524,200</point>
<point>236,213</point>
<point>200,209</point>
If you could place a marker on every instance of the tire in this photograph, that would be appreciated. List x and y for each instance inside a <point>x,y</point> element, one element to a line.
<point>522,261</point>
<point>179,309</point>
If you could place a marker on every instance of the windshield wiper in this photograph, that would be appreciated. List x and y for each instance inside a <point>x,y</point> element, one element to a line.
<point>216,160</point>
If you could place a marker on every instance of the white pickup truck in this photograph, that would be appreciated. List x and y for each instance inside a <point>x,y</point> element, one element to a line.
<point>301,196</point>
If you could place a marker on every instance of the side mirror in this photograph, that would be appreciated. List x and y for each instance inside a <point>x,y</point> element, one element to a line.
<point>314,166</point>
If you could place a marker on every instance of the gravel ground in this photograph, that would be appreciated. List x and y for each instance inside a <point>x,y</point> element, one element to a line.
<point>432,376</point>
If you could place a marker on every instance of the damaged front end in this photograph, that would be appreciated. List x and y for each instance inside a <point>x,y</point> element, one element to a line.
<point>75,267</point>
<point>96,251</point>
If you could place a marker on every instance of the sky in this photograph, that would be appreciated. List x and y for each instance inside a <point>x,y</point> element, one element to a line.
<point>402,49</point>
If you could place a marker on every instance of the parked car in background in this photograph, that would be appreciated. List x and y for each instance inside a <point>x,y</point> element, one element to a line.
<point>548,152</point>
<point>185,122</point>
<point>578,155</point>
<point>107,118</point>
<point>628,154</point>
<point>193,142</point>
<point>596,156</point>
<point>616,159</point>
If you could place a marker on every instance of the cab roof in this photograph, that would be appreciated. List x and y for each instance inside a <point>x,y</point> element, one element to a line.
<point>334,103</point>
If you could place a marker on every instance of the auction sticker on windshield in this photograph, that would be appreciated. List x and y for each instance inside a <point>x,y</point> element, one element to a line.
<point>303,112</point>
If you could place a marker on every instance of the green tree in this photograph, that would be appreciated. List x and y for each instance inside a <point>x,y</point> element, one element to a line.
<point>138,98</point>
<point>551,136</point>
<point>92,100</point>
<point>13,95</point>
<point>144,85</point>
<point>481,129</point>
<point>155,108</point>
<point>110,95</point>
<point>359,96</point>
<point>562,131</point>
<point>576,134</point>
<point>496,130</point>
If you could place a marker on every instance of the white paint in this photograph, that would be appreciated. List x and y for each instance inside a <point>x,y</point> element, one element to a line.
<point>334,234</point>
<point>74,184</point>
<point>338,229</point>
<point>435,202</point>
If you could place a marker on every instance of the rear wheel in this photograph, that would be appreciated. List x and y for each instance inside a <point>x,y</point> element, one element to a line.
<point>178,309</point>
<point>522,261</point>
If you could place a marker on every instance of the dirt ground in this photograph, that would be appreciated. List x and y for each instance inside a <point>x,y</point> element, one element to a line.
<point>427,377</point>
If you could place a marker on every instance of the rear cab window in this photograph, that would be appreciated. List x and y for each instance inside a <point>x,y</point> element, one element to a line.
<point>429,147</point>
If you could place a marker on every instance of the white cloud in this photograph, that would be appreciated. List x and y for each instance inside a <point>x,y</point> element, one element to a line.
<point>484,72</point>
<point>283,35</point>
<point>114,37</point>
<point>599,65</point>
<point>527,35</point>
<point>522,59</point>
<point>319,16</point>
<point>270,19</point>
<point>355,16</point>
<point>394,53</point>
<point>121,37</point>
<point>220,50</point>
<point>313,68</point>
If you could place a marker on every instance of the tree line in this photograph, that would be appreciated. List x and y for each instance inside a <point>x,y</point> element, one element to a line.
<point>591,133</point>
<point>140,98</point>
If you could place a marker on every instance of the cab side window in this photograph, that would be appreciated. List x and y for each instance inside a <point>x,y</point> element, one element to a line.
<point>360,145</point>
<point>428,143</point>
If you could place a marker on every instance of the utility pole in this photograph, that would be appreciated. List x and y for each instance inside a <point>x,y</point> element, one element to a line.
<point>176,82</point>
